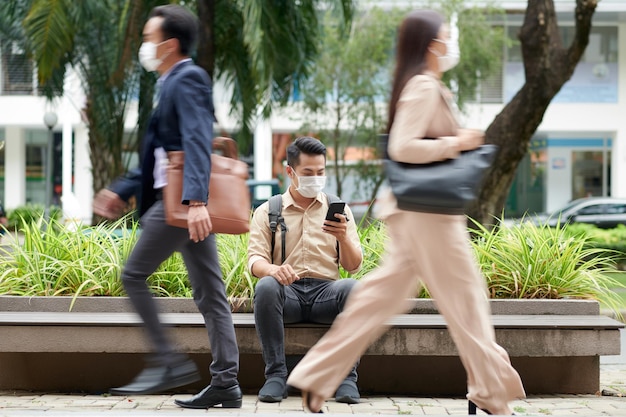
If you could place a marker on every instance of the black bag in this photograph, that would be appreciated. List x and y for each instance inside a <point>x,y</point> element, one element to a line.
<point>444,187</point>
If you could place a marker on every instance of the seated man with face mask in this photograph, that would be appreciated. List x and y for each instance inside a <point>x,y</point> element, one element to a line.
<point>298,264</point>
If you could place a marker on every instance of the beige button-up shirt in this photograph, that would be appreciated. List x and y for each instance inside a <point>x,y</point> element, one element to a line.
<point>310,252</point>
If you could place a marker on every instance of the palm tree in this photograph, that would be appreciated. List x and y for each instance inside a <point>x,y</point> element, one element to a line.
<point>98,39</point>
<point>262,48</point>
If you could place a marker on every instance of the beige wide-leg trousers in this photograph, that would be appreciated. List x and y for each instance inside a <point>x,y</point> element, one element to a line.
<point>435,250</point>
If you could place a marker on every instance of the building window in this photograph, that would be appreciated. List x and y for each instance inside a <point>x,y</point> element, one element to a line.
<point>590,171</point>
<point>596,75</point>
<point>490,89</point>
<point>16,70</point>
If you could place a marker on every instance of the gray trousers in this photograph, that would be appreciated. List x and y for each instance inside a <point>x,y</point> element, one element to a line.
<point>156,243</point>
<point>306,300</point>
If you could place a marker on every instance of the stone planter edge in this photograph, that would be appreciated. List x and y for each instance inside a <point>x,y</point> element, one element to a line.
<point>244,305</point>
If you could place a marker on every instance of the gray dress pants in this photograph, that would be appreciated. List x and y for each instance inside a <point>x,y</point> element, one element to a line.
<point>306,300</point>
<point>156,243</point>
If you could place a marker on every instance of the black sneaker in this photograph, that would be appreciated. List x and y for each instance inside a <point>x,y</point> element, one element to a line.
<point>274,390</point>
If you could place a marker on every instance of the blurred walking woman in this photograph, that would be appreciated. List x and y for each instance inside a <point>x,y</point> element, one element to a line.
<point>423,247</point>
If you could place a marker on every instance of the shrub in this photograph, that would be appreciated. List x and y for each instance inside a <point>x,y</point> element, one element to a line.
<point>64,262</point>
<point>88,262</point>
<point>528,261</point>
<point>28,214</point>
<point>524,261</point>
<point>372,236</point>
<point>613,240</point>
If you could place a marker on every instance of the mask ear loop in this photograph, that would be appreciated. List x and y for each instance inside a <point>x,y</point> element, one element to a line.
<point>434,51</point>
<point>293,171</point>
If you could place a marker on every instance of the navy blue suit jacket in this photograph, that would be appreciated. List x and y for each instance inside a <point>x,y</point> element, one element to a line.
<point>183,120</point>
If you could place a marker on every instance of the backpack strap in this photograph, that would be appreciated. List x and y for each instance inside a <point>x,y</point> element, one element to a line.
<point>332,198</point>
<point>276,218</point>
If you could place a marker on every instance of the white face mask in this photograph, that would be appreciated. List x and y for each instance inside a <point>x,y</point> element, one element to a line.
<point>451,57</point>
<point>148,58</point>
<point>310,187</point>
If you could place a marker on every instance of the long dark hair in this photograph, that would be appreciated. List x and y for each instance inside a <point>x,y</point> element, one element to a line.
<point>416,32</point>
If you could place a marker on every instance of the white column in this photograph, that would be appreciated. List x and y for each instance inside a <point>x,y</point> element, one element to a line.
<point>66,123</point>
<point>263,156</point>
<point>72,208</point>
<point>14,167</point>
<point>83,180</point>
<point>72,211</point>
<point>618,163</point>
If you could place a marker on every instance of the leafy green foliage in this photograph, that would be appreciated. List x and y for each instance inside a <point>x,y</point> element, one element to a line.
<point>88,261</point>
<point>528,261</point>
<point>524,261</point>
<point>22,216</point>
<point>613,240</point>
<point>64,262</point>
<point>373,237</point>
<point>99,40</point>
<point>233,256</point>
<point>343,99</point>
<point>481,44</point>
<point>264,49</point>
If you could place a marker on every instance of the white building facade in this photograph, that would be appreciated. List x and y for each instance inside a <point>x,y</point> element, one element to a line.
<point>578,150</point>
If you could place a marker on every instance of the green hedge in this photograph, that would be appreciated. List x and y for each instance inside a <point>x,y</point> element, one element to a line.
<point>28,214</point>
<point>524,261</point>
<point>612,240</point>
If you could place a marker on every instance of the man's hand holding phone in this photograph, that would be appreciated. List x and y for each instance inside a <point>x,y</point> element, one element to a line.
<point>336,221</point>
<point>336,207</point>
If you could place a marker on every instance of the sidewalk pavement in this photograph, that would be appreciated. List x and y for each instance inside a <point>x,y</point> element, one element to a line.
<point>607,402</point>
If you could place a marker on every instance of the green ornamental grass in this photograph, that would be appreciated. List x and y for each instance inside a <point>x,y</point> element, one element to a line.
<point>541,262</point>
<point>524,261</point>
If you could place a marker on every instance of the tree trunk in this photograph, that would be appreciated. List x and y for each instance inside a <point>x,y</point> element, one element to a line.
<point>548,65</point>
<point>105,142</point>
<point>206,43</point>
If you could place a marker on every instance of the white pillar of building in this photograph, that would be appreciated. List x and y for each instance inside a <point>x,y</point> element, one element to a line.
<point>14,167</point>
<point>66,123</point>
<point>263,156</point>
<point>618,162</point>
<point>83,180</point>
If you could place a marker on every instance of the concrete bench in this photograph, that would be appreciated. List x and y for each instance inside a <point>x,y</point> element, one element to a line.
<point>555,345</point>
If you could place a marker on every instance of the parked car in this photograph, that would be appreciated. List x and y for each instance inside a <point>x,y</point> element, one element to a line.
<point>603,212</point>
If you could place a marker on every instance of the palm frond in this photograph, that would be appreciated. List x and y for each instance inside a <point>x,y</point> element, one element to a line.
<point>51,31</point>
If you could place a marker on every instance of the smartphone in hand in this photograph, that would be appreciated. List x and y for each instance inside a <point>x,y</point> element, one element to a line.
<point>335,207</point>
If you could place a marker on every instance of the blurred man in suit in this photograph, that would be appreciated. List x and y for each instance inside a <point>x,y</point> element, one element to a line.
<point>182,120</point>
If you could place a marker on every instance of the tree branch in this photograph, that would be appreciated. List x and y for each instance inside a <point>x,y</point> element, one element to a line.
<point>584,14</point>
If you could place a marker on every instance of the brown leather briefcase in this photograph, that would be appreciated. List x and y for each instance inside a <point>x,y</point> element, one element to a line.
<point>229,195</point>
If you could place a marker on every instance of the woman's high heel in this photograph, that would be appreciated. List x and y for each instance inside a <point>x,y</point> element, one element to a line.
<point>471,408</point>
<point>306,403</point>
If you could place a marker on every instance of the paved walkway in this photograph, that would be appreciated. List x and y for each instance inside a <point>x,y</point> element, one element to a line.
<point>608,402</point>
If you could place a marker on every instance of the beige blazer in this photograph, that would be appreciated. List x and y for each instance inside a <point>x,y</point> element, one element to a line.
<point>424,110</point>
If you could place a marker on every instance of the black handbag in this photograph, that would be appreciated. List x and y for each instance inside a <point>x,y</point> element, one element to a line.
<point>444,187</point>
